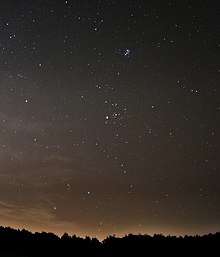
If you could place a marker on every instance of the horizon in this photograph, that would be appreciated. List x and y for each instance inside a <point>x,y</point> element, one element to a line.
<point>113,235</point>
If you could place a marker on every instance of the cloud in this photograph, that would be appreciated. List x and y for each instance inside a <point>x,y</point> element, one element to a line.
<point>33,218</point>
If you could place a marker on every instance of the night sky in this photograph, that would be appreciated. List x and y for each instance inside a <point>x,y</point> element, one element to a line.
<point>109,116</point>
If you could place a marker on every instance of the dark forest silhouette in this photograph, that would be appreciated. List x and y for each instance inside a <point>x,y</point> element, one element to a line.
<point>22,243</point>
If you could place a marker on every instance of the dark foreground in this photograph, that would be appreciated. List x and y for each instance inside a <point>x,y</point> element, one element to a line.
<point>22,243</point>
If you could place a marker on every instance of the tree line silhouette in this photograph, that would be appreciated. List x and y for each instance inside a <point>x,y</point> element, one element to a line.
<point>22,243</point>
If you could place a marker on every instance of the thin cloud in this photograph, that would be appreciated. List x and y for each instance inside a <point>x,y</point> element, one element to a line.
<point>38,217</point>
